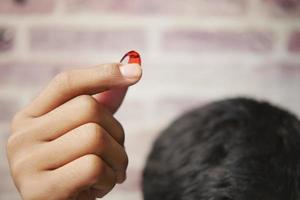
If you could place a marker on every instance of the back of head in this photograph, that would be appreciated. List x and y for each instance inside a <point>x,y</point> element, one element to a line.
<point>236,149</point>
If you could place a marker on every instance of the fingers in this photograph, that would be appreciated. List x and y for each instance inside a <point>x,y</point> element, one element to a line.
<point>88,172</point>
<point>87,139</point>
<point>68,85</point>
<point>66,142</point>
<point>81,174</point>
<point>78,111</point>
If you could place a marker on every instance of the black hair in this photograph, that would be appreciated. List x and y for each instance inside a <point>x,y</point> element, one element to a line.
<point>235,149</point>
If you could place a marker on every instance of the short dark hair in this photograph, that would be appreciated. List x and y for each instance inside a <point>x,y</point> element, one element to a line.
<point>235,149</point>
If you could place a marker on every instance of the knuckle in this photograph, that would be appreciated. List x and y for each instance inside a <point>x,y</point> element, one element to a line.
<point>19,156</point>
<point>96,137</point>
<point>21,162</point>
<point>110,70</point>
<point>92,127</point>
<point>62,76</point>
<point>10,144</point>
<point>89,105</point>
<point>15,120</point>
<point>118,133</point>
<point>13,142</point>
<point>19,120</point>
<point>63,79</point>
<point>94,167</point>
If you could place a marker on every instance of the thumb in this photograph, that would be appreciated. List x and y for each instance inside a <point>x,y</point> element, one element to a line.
<point>113,99</point>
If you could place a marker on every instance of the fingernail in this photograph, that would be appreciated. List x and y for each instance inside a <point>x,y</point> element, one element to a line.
<point>130,70</point>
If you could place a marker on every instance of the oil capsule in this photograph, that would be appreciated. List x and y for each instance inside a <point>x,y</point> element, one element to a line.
<point>132,57</point>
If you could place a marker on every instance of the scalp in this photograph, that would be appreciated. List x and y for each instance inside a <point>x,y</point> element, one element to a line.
<point>236,149</point>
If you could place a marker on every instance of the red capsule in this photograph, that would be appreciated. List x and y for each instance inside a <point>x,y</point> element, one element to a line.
<point>133,58</point>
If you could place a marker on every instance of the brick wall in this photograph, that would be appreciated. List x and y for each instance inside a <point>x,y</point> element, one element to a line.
<point>194,51</point>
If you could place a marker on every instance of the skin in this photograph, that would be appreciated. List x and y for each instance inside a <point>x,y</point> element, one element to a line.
<point>66,144</point>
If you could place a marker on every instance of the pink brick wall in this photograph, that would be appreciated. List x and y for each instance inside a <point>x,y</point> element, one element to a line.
<point>294,43</point>
<point>28,7</point>
<point>193,52</point>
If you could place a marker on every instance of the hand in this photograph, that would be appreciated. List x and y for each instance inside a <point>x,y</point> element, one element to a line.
<point>66,144</point>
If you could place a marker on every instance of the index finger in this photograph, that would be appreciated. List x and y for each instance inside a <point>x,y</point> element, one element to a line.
<point>68,85</point>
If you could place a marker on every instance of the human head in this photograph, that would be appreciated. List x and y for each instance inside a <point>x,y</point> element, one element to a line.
<point>235,149</point>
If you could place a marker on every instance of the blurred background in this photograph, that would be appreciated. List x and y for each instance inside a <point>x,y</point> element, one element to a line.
<point>194,52</point>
